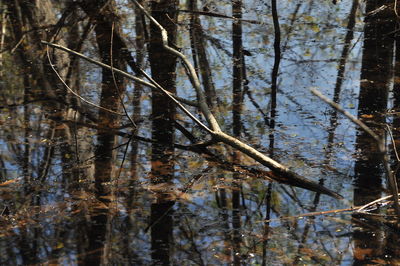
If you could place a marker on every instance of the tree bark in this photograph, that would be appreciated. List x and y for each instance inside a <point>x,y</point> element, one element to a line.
<point>163,67</point>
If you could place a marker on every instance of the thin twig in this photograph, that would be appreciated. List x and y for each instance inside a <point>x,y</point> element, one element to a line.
<point>347,114</point>
<point>114,79</point>
<point>379,141</point>
<point>393,142</point>
<point>129,76</point>
<point>18,44</point>
<point>312,214</point>
<point>120,72</point>
<point>73,92</point>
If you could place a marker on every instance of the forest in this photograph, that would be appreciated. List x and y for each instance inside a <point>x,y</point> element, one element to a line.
<point>199,132</point>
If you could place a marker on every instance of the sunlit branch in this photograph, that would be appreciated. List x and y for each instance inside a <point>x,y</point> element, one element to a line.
<point>347,114</point>
<point>73,92</point>
<point>379,141</point>
<point>282,171</point>
<point>393,142</point>
<point>120,72</point>
<point>196,82</point>
<point>154,84</point>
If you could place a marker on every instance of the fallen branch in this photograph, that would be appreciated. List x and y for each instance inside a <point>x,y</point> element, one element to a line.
<point>281,173</point>
<point>379,141</point>
<point>280,170</point>
<point>73,92</point>
<point>311,214</point>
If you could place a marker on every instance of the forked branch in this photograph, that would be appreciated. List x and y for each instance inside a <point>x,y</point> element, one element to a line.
<point>280,170</point>
<point>281,173</point>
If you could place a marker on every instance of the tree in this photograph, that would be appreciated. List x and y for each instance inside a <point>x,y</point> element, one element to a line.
<point>84,109</point>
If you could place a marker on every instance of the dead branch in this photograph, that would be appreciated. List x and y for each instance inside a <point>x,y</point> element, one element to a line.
<point>379,141</point>
<point>216,132</point>
<point>311,214</point>
<point>73,92</point>
<point>281,172</point>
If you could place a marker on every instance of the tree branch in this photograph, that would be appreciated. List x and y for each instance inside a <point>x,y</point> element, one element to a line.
<point>281,172</point>
<point>379,141</point>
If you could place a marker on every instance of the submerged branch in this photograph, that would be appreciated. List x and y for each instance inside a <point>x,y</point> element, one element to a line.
<point>281,172</point>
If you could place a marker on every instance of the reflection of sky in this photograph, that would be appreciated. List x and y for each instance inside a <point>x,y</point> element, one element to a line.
<point>302,122</point>
<point>315,45</point>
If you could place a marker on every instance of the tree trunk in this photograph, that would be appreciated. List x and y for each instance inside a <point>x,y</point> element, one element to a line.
<point>163,66</point>
<point>374,90</point>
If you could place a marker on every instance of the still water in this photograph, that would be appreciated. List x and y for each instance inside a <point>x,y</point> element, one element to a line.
<point>205,214</point>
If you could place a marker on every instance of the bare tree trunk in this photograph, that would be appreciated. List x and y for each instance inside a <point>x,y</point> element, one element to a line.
<point>396,89</point>
<point>199,46</point>
<point>237,106</point>
<point>340,75</point>
<point>112,88</point>
<point>237,91</point>
<point>275,71</point>
<point>163,65</point>
<point>373,99</point>
<point>103,12</point>
<point>105,154</point>
<point>222,202</point>
<point>140,52</point>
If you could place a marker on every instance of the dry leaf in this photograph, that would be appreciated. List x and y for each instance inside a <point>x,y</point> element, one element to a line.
<point>361,253</point>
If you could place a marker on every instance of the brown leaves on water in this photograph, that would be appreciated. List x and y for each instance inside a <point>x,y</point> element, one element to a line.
<point>168,192</point>
<point>367,116</point>
<point>362,253</point>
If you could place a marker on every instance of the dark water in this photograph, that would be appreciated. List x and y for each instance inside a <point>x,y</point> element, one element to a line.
<point>193,211</point>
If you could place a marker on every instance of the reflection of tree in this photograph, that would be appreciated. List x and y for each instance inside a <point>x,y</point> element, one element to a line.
<point>373,98</point>
<point>140,54</point>
<point>89,232</point>
<point>110,50</point>
<point>273,114</point>
<point>333,123</point>
<point>163,66</point>
<point>374,88</point>
<point>200,59</point>
<point>393,239</point>
<point>237,110</point>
